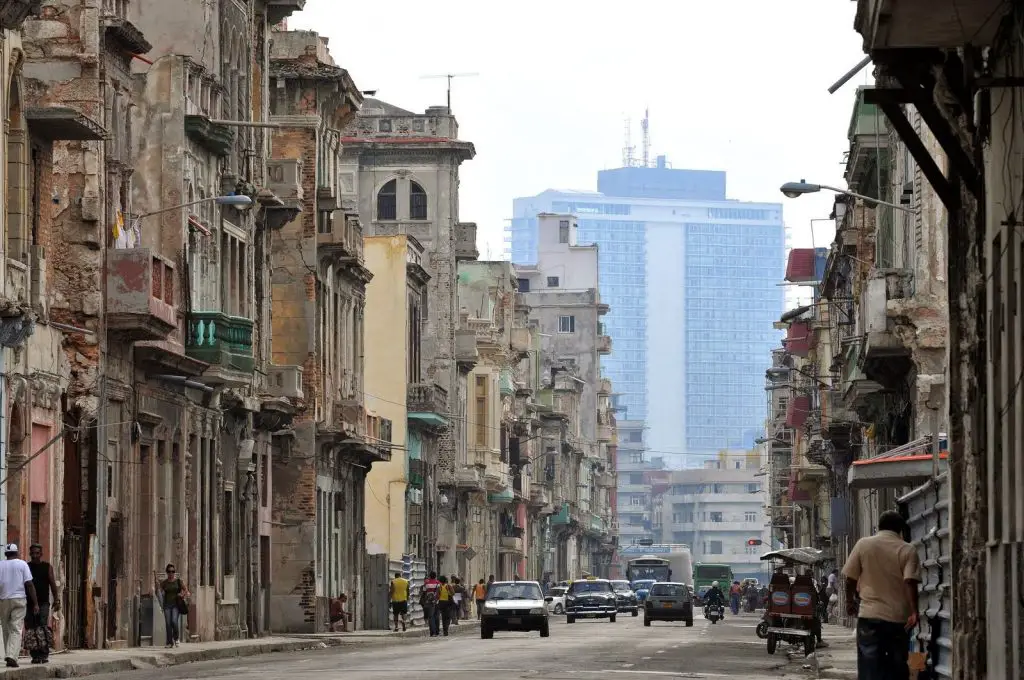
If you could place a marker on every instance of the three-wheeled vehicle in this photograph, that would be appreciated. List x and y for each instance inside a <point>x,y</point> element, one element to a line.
<point>790,611</point>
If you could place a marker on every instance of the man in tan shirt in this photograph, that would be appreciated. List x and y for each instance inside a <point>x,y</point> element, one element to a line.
<point>885,571</point>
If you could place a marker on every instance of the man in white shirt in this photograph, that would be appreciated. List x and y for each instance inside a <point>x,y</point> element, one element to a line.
<point>16,594</point>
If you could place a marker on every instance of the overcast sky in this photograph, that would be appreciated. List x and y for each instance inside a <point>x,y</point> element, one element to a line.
<point>735,85</point>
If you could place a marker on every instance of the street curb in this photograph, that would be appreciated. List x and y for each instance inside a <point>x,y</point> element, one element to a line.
<point>156,659</point>
<point>837,674</point>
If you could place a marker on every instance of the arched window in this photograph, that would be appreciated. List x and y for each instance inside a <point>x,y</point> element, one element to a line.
<point>387,201</point>
<point>417,202</point>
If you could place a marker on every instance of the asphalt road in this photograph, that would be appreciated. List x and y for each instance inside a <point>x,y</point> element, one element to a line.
<point>586,650</point>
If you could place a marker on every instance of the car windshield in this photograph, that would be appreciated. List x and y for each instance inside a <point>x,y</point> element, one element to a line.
<point>668,590</point>
<point>642,584</point>
<point>514,591</point>
<point>591,587</point>
<point>621,586</point>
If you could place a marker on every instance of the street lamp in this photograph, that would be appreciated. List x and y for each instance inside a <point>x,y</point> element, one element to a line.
<point>796,189</point>
<point>239,201</point>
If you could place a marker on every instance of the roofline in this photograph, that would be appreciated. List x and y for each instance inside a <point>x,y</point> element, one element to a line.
<point>466,149</point>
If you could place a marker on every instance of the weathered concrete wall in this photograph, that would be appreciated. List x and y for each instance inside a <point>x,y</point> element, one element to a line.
<point>387,385</point>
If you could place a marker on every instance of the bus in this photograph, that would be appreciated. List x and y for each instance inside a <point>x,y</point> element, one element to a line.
<point>648,567</point>
<point>705,574</point>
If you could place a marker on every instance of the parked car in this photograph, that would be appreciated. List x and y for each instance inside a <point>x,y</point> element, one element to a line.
<point>557,603</point>
<point>592,598</point>
<point>625,597</point>
<point>514,606</point>
<point>668,602</point>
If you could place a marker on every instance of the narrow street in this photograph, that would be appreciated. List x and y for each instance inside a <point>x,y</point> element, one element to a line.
<point>587,649</point>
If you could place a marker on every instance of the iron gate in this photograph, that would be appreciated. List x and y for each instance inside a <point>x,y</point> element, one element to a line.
<point>74,588</point>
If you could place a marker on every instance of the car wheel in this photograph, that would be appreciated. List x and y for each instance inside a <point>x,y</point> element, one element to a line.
<point>647,621</point>
<point>558,609</point>
<point>611,618</point>
<point>636,612</point>
<point>689,622</point>
<point>570,618</point>
<point>545,631</point>
<point>486,633</point>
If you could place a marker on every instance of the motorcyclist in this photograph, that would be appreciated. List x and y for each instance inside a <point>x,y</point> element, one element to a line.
<point>714,597</point>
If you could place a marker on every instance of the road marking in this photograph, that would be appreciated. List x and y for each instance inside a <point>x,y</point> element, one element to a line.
<point>646,658</point>
<point>660,651</point>
<point>628,665</point>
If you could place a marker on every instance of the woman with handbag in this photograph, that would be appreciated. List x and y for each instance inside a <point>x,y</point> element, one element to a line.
<point>173,594</point>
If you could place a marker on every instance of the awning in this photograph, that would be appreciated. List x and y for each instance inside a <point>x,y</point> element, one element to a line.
<point>808,556</point>
<point>908,465</point>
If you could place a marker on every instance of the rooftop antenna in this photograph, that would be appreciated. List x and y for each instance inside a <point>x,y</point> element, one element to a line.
<point>449,76</point>
<point>645,126</point>
<point>628,149</point>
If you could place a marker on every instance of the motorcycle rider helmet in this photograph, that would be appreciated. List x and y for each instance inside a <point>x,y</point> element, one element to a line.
<point>714,584</point>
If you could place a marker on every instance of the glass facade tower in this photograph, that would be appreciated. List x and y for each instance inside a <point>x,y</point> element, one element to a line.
<point>692,282</point>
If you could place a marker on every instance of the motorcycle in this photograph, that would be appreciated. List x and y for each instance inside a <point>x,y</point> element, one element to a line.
<point>762,627</point>
<point>714,612</point>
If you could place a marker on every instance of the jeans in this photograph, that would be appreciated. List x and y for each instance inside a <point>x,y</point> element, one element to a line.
<point>12,620</point>
<point>480,609</point>
<point>882,650</point>
<point>171,618</point>
<point>432,616</point>
<point>734,604</point>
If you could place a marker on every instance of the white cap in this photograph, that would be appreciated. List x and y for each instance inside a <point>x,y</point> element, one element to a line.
<point>11,548</point>
<point>714,584</point>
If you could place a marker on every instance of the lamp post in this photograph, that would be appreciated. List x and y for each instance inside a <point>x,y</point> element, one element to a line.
<point>796,189</point>
<point>239,201</point>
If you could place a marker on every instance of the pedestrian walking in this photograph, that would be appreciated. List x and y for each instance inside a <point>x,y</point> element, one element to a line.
<point>446,604</point>
<point>734,598</point>
<point>480,595</point>
<point>399,595</point>
<point>40,641</point>
<point>173,595</point>
<point>885,570</point>
<point>459,596</point>
<point>428,600</point>
<point>17,599</point>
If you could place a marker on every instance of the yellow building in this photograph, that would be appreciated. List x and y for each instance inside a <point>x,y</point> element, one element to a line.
<point>394,316</point>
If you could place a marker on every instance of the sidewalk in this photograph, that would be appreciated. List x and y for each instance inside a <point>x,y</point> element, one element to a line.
<point>839,659</point>
<point>78,663</point>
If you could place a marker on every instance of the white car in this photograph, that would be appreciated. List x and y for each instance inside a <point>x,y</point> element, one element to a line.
<point>514,606</point>
<point>557,603</point>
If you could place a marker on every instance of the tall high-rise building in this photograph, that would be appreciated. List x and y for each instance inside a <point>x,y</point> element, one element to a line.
<point>692,281</point>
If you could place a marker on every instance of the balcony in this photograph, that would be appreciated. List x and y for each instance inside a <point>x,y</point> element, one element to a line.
<point>479,458</point>
<point>604,432</point>
<point>604,386</point>
<point>417,472</point>
<point>486,332</point>
<point>606,480</point>
<point>521,341</point>
<point>797,412</point>
<point>884,357</point>
<point>285,381</point>
<point>749,499</point>
<point>754,527</point>
<point>466,352</point>
<point>427,404</point>
<point>224,342</point>
<point>140,297</point>
<point>279,10</point>
<point>511,544</point>
<point>216,138</point>
<point>341,238</point>
<point>604,344</point>
<point>540,494</point>
<point>469,477</point>
<point>465,241</point>
<point>562,517</point>
<point>893,24</point>
<point>868,135</point>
